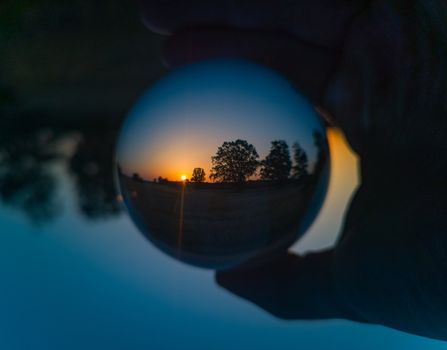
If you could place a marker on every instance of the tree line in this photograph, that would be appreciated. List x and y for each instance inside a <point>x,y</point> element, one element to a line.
<point>236,161</point>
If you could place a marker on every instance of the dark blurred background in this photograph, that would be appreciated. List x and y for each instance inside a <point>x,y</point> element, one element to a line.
<point>69,71</point>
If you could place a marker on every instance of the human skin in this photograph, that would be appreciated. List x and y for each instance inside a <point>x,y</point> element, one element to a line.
<point>378,69</point>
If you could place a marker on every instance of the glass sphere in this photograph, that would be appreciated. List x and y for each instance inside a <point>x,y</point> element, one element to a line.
<point>222,161</point>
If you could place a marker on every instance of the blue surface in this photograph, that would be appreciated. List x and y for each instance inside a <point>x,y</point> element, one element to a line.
<point>76,284</point>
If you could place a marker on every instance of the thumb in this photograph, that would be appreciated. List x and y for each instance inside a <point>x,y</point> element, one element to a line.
<point>290,287</point>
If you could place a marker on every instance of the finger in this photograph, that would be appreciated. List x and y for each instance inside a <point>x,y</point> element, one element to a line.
<point>322,22</point>
<point>308,67</point>
<point>291,287</point>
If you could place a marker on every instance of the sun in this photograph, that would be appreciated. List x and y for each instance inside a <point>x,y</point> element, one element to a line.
<point>183,177</point>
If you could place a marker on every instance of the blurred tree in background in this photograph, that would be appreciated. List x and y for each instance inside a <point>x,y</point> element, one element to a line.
<point>69,72</point>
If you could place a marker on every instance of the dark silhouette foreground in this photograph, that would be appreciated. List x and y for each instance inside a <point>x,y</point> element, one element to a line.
<point>379,69</point>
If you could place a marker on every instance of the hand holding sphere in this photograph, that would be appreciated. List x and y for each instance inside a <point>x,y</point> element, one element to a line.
<point>379,69</point>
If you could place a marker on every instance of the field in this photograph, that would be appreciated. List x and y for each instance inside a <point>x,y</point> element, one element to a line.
<point>216,220</point>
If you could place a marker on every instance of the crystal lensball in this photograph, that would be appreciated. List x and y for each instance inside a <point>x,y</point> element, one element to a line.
<point>222,161</point>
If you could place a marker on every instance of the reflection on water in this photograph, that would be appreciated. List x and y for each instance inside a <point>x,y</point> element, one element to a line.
<point>26,181</point>
<point>29,150</point>
<point>68,74</point>
<point>222,161</point>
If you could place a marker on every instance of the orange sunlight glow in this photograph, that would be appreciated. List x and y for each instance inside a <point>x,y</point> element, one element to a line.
<point>183,177</point>
<point>344,180</point>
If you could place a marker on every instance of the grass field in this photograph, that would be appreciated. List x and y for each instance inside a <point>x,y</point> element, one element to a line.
<point>217,220</point>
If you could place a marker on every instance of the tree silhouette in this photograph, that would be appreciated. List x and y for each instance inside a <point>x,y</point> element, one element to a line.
<point>299,170</point>
<point>137,177</point>
<point>162,180</point>
<point>234,161</point>
<point>198,175</point>
<point>92,173</point>
<point>321,153</point>
<point>276,166</point>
